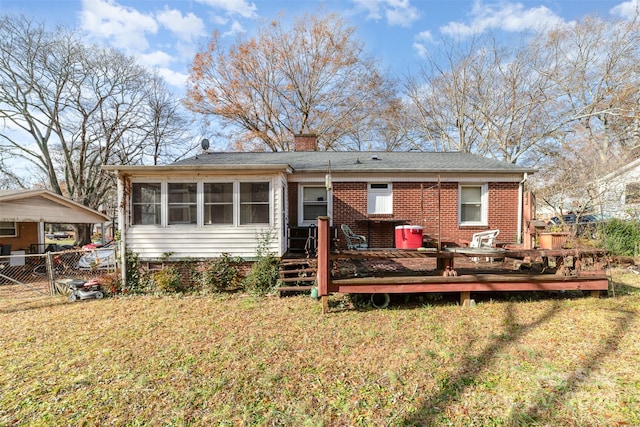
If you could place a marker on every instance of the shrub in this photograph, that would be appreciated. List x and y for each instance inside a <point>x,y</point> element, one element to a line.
<point>168,279</point>
<point>136,278</point>
<point>263,277</point>
<point>621,237</point>
<point>220,273</point>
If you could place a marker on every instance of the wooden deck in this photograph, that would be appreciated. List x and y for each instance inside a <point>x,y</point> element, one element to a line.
<point>446,279</point>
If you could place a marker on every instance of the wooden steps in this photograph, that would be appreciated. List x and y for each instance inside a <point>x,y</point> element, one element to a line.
<point>297,275</point>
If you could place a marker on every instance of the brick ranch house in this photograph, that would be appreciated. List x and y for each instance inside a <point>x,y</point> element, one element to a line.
<point>217,202</point>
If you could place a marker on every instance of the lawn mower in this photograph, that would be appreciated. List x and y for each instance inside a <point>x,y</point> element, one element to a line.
<point>83,289</point>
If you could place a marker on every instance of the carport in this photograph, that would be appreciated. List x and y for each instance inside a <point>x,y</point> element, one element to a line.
<point>23,214</point>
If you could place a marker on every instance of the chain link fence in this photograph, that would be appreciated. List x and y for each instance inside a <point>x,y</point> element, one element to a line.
<point>35,275</point>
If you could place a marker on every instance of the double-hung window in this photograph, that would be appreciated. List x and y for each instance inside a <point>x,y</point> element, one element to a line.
<point>183,203</point>
<point>8,229</point>
<point>146,203</point>
<point>314,203</point>
<point>254,203</point>
<point>218,203</point>
<point>473,204</point>
<point>379,199</point>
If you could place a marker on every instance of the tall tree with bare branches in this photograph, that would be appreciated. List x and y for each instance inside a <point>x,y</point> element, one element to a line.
<point>313,78</point>
<point>67,108</point>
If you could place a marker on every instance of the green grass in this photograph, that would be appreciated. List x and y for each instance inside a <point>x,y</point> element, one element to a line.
<point>240,360</point>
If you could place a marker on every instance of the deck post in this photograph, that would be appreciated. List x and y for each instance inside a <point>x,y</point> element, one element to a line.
<point>465,298</point>
<point>323,260</point>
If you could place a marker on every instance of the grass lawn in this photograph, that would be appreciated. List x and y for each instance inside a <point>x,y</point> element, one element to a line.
<point>560,360</point>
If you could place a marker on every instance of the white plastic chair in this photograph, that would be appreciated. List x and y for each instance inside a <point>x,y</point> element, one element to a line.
<point>484,239</point>
<point>354,241</point>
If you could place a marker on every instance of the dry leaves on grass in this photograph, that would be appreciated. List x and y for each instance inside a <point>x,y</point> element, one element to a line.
<point>249,361</point>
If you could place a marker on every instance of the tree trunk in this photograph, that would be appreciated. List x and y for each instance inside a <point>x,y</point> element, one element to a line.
<point>83,234</point>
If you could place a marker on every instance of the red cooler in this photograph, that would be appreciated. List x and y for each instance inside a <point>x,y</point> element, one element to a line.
<point>408,236</point>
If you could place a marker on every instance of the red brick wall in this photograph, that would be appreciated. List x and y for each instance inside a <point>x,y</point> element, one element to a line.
<point>417,203</point>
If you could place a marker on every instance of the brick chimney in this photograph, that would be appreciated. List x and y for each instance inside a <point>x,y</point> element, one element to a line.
<point>305,142</point>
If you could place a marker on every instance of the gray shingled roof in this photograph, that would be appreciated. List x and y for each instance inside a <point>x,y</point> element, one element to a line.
<point>359,161</point>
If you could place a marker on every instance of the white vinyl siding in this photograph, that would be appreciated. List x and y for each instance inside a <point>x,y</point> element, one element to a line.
<point>236,233</point>
<point>473,204</point>
<point>379,198</point>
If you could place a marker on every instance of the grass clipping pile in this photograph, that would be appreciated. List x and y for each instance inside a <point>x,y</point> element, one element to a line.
<point>244,360</point>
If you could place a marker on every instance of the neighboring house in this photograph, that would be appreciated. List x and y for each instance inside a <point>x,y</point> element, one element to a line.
<point>620,192</point>
<point>218,203</point>
<point>23,214</point>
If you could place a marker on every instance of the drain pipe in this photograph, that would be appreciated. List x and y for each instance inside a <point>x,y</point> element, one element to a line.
<point>520,207</point>
<point>121,229</point>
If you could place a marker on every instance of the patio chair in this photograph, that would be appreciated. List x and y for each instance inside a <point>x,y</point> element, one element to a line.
<point>484,239</point>
<point>354,241</point>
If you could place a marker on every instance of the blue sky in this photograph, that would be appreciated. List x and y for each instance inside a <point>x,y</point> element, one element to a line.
<point>167,34</point>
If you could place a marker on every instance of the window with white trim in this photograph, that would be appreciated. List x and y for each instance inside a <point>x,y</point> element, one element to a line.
<point>379,198</point>
<point>254,203</point>
<point>146,203</point>
<point>8,229</point>
<point>183,203</point>
<point>313,203</point>
<point>473,204</point>
<point>218,203</point>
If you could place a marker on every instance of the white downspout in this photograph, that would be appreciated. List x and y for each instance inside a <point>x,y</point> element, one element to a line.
<point>121,228</point>
<point>520,207</point>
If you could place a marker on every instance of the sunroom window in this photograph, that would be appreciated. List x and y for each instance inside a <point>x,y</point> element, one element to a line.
<point>473,205</point>
<point>218,203</point>
<point>146,203</point>
<point>183,203</point>
<point>254,203</point>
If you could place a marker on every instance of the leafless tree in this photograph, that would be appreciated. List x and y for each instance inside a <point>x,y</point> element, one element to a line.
<point>67,108</point>
<point>313,78</point>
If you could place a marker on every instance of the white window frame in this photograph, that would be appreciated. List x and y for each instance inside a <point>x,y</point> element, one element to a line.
<point>183,205</point>
<point>164,202</point>
<point>233,203</point>
<point>15,229</point>
<point>301,203</point>
<point>238,202</point>
<point>484,205</point>
<point>161,203</point>
<point>374,193</point>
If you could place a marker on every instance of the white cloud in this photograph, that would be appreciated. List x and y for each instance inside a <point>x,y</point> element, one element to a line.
<point>156,59</point>
<point>396,12</point>
<point>505,16</point>
<point>421,40</point>
<point>627,10</point>
<point>233,7</point>
<point>185,27</point>
<point>174,78</point>
<point>236,28</point>
<point>124,27</point>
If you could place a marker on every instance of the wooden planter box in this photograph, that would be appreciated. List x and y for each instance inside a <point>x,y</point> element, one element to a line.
<point>552,240</point>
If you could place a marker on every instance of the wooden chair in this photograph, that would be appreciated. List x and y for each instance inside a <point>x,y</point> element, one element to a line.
<point>354,241</point>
